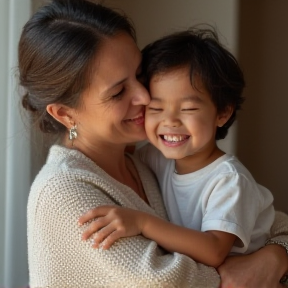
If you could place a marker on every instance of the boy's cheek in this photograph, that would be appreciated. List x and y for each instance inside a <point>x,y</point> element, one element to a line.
<point>149,122</point>
<point>149,128</point>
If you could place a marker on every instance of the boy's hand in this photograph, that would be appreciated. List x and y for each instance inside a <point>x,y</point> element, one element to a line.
<point>110,224</point>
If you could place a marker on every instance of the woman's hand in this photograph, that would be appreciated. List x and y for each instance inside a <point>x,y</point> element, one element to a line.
<point>110,224</point>
<point>263,268</point>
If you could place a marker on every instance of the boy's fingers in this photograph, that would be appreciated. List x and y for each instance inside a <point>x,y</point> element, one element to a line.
<point>94,227</point>
<point>91,214</point>
<point>94,213</point>
<point>111,239</point>
<point>102,235</point>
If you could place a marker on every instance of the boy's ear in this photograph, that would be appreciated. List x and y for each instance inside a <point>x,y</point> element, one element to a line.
<point>225,115</point>
<point>61,113</point>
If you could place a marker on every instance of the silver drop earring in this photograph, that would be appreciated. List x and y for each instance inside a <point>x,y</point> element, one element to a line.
<point>73,133</point>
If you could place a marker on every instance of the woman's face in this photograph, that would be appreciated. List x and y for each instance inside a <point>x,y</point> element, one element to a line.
<point>112,108</point>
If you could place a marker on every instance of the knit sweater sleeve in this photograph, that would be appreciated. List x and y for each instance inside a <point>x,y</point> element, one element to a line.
<point>58,257</point>
<point>279,229</point>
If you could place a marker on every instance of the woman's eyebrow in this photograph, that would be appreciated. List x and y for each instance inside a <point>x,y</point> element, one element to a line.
<point>115,84</point>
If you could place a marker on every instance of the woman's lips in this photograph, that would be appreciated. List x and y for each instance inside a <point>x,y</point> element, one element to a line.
<point>138,120</point>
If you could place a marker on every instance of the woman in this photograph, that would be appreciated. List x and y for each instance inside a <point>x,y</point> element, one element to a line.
<point>79,63</point>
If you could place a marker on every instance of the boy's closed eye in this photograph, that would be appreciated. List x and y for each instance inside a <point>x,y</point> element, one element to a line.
<point>189,109</point>
<point>155,109</point>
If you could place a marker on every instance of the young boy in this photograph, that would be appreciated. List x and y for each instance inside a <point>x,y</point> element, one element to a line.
<point>214,203</point>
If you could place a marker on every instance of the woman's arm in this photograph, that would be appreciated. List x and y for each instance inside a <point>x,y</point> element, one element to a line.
<point>57,255</point>
<point>279,230</point>
<point>112,223</point>
<point>263,268</point>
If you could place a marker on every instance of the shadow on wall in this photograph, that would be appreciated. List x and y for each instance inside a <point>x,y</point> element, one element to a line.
<point>262,127</point>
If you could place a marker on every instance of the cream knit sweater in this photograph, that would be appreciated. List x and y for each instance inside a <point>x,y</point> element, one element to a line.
<point>70,184</point>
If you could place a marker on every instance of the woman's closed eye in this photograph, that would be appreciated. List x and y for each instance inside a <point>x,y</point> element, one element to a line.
<point>118,95</point>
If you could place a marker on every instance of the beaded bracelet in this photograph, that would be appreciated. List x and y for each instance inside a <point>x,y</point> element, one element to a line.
<point>278,242</point>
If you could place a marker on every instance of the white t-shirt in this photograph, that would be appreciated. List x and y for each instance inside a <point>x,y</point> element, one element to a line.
<point>222,196</point>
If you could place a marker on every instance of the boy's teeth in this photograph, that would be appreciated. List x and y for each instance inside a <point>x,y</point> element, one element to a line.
<point>173,138</point>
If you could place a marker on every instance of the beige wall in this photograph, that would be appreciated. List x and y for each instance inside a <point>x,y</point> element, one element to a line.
<point>154,18</point>
<point>263,124</point>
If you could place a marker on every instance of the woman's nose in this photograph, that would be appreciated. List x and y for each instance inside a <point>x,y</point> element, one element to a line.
<point>141,95</point>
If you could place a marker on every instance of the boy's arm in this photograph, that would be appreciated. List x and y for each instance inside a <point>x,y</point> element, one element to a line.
<point>210,248</point>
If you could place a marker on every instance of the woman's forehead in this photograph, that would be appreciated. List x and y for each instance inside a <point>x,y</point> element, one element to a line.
<point>118,58</point>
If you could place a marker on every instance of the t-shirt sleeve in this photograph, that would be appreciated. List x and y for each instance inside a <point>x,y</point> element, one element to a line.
<point>234,205</point>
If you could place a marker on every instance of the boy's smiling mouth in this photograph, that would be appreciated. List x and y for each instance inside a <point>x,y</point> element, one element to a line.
<point>174,138</point>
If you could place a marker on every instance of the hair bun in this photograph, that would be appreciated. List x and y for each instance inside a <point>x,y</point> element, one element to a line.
<point>26,103</point>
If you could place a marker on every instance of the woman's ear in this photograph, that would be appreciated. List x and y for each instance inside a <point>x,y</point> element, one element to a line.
<point>224,116</point>
<point>61,113</point>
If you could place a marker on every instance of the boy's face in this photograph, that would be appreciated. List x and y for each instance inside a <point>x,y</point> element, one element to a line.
<point>180,120</point>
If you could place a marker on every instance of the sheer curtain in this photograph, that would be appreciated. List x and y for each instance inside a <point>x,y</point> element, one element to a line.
<point>15,170</point>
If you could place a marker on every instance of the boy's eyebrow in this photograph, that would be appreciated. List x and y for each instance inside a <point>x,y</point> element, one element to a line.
<point>190,98</point>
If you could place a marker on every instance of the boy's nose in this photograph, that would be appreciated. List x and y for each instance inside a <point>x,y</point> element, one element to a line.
<point>171,120</point>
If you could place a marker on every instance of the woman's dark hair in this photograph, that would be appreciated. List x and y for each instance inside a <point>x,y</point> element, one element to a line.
<point>56,52</point>
<point>200,51</point>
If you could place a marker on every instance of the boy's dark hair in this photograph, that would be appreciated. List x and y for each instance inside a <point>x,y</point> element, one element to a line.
<point>201,51</point>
